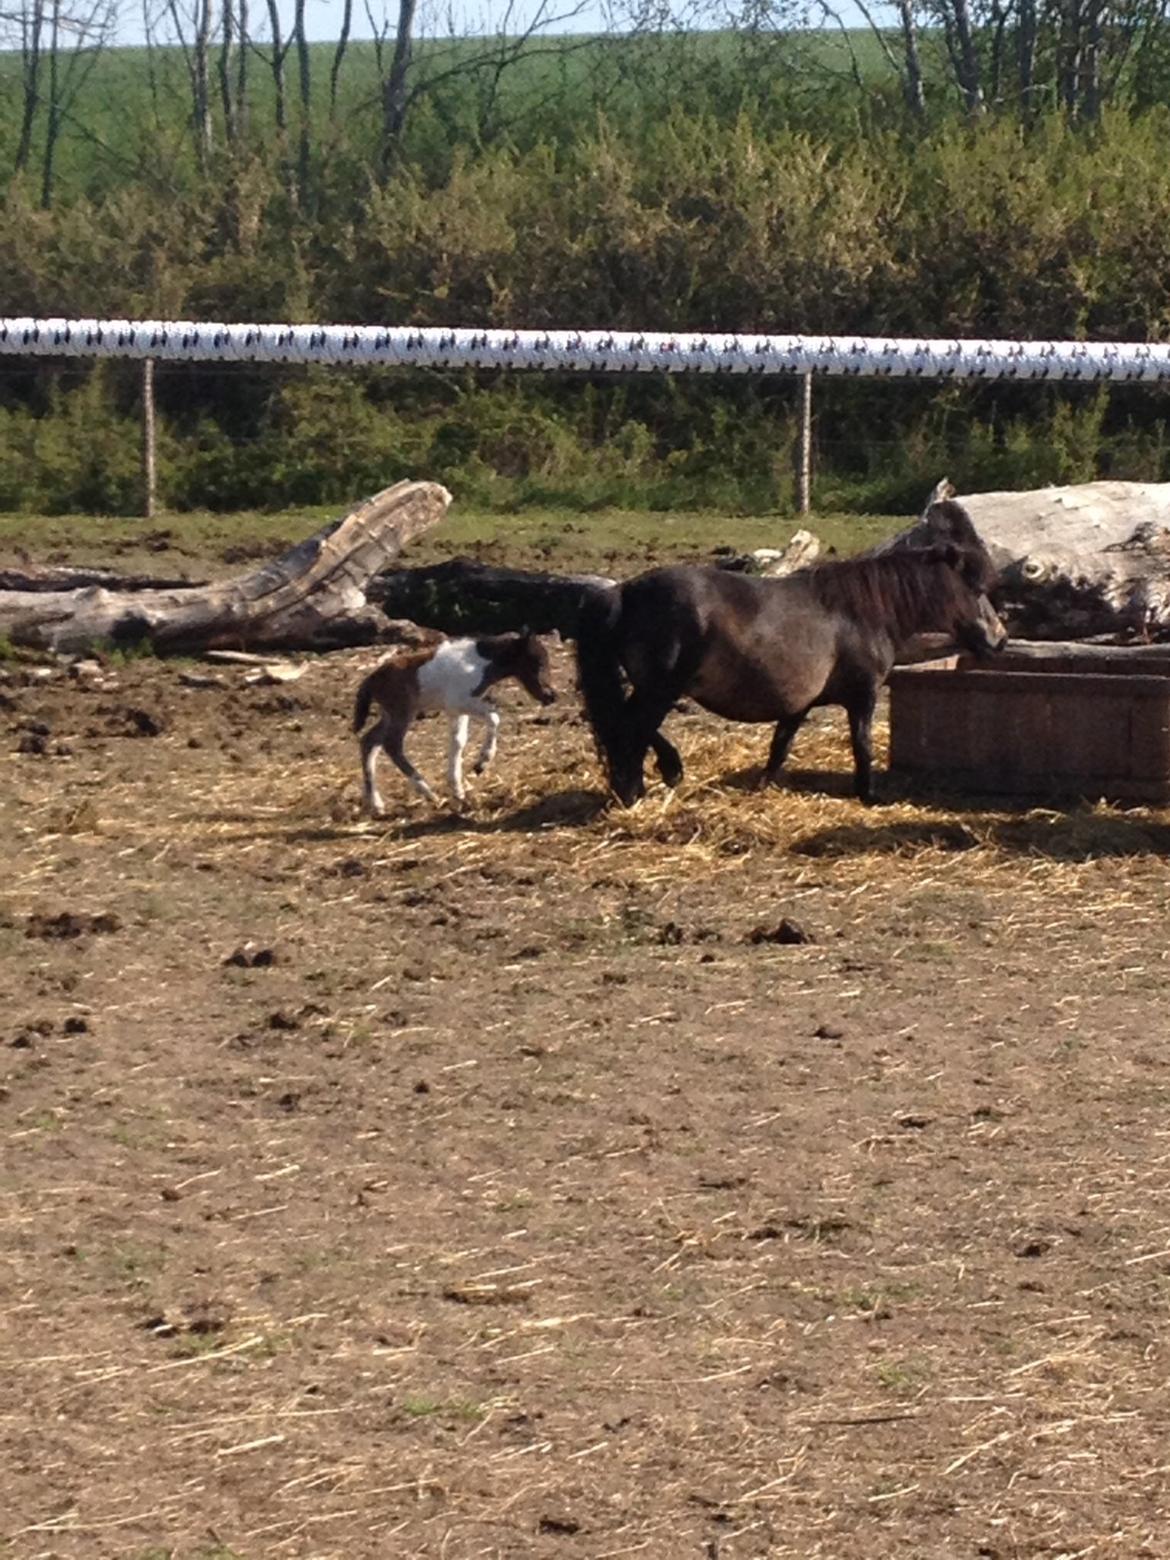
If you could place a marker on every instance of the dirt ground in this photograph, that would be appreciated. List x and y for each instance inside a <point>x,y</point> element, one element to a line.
<point>523,1184</point>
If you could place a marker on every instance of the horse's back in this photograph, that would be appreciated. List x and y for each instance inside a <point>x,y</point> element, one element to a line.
<point>694,591</point>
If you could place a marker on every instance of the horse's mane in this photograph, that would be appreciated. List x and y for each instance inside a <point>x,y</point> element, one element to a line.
<point>903,590</point>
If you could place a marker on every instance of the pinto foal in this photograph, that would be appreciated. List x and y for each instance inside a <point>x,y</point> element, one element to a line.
<point>453,676</point>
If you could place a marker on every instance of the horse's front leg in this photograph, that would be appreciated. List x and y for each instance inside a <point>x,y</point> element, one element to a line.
<point>460,724</point>
<point>491,732</point>
<point>782,740</point>
<point>861,736</point>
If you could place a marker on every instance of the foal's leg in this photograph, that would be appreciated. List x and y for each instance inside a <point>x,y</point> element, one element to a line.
<point>393,736</point>
<point>371,746</point>
<point>860,733</point>
<point>491,732</point>
<point>782,739</point>
<point>459,727</point>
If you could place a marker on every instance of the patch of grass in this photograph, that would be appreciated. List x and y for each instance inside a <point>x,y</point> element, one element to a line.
<point>462,1409</point>
<point>134,1262</point>
<point>901,1376</point>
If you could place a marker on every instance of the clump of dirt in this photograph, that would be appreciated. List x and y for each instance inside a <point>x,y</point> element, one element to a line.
<point>65,924</point>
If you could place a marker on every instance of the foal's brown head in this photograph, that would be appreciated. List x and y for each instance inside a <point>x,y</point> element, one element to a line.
<point>524,657</point>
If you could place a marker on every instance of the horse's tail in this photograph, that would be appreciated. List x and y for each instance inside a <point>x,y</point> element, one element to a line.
<point>365,697</point>
<point>599,672</point>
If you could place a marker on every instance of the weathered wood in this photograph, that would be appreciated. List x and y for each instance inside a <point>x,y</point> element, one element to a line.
<point>314,597</point>
<point>1089,721</point>
<point>802,550</point>
<point>63,576</point>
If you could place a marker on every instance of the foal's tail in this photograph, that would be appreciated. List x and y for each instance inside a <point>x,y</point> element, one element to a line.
<point>599,672</point>
<point>365,697</point>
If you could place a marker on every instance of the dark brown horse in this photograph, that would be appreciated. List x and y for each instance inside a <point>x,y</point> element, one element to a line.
<point>767,649</point>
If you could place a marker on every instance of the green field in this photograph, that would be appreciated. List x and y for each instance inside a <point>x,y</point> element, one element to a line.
<point>616,541</point>
<point>131,118</point>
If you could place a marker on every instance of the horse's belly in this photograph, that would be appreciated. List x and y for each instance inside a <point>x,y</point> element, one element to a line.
<point>739,690</point>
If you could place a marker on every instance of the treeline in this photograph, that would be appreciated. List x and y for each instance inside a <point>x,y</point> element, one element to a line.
<point>723,210</point>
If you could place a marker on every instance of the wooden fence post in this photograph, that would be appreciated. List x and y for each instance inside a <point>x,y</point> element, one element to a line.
<point>148,463</point>
<point>804,456</point>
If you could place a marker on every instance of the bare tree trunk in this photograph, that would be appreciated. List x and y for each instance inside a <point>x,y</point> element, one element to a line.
<point>1090,84</point>
<point>1069,77</point>
<point>998,20</point>
<point>227,47</point>
<point>242,70</point>
<point>394,94</point>
<point>1026,58</point>
<point>912,76</point>
<point>339,55</point>
<point>53,122</point>
<point>967,60</point>
<point>32,25</point>
<point>279,50</point>
<point>201,83</point>
<point>304,138</point>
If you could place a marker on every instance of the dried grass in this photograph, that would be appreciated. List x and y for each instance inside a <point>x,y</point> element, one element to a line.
<point>1057,1438</point>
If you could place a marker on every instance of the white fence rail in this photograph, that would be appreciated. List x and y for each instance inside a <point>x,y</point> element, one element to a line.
<point>586,351</point>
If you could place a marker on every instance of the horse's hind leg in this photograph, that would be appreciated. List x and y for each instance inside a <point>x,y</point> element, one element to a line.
<point>371,746</point>
<point>644,713</point>
<point>782,739</point>
<point>861,735</point>
<point>393,736</point>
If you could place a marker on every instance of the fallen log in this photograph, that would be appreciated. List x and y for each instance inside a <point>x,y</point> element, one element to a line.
<point>63,576</point>
<point>462,596</point>
<point>314,597</point>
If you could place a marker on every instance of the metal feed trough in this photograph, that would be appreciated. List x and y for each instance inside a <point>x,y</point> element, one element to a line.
<point>1059,720</point>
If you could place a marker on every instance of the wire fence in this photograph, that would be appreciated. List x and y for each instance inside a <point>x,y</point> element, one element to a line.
<point>194,367</point>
